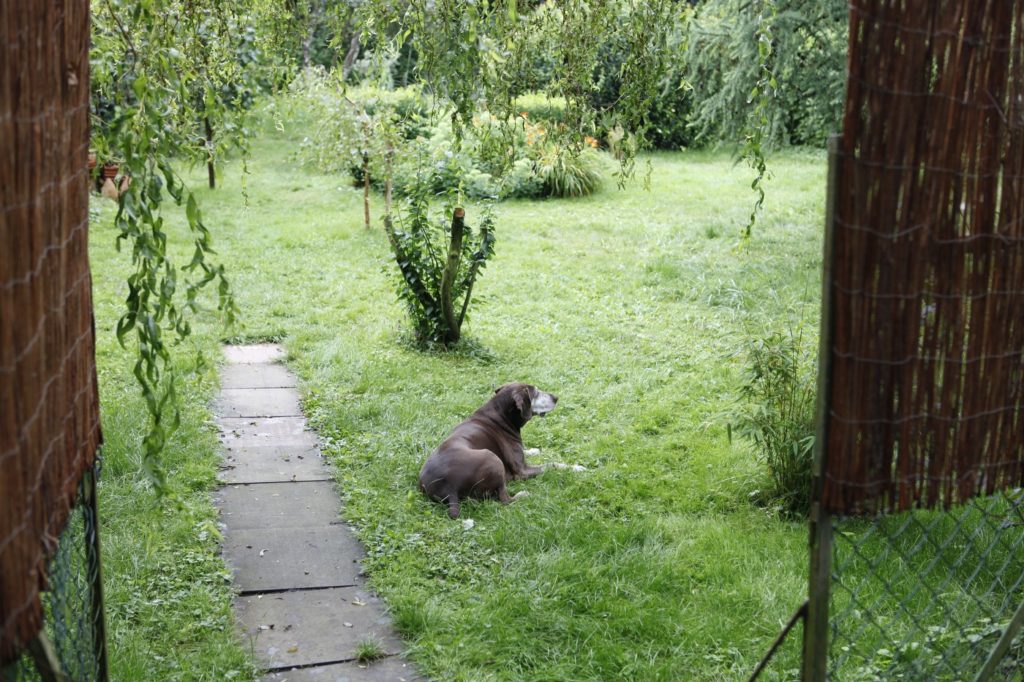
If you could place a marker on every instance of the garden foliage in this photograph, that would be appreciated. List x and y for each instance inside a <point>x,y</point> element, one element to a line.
<point>806,69</point>
<point>777,415</point>
<point>400,138</point>
<point>439,258</point>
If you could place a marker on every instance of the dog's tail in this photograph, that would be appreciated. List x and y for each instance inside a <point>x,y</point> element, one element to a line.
<point>453,506</point>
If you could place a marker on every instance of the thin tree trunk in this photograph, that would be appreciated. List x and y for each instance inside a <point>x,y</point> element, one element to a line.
<point>387,179</point>
<point>315,13</point>
<point>350,56</point>
<point>366,189</point>
<point>451,271</point>
<point>211,171</point>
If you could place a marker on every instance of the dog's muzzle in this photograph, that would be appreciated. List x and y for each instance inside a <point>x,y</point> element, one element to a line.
<point>543,403</point>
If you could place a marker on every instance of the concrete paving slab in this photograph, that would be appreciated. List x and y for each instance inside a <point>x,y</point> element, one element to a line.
<point>273,464</point>
<point>257,376</point>
<point>259,352</point>
<point>264,559</point>
<point>389,669</point>
<point>288,628</point>
<point>278,505</point>
<point>258,402</point>
<point>242,432</point>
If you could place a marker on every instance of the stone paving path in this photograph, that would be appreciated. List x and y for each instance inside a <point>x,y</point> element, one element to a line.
<point>301,603</point>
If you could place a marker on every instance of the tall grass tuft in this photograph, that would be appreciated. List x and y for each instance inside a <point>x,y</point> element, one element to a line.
<point>565,172</point>
<point>778,399</point>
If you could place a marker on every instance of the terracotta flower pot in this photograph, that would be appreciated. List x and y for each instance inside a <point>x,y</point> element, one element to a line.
<point>110,170</point>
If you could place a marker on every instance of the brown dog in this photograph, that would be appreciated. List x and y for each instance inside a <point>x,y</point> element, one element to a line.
<point>485,451</point>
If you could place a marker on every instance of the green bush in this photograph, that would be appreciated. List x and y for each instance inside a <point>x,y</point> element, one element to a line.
<point>669,117</point>
<point>439,258</point>
<point>777,416</point>
<point>521,182</point>
<point>395,132</point>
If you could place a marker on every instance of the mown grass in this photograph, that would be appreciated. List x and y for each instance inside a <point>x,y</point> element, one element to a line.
<point>632,306</point>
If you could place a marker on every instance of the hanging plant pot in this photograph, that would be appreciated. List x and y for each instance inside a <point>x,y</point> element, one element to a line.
<point>110,170</point>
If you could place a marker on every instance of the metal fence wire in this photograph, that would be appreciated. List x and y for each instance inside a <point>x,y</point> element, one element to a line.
<point>926,595</point>
<point>73,599</point>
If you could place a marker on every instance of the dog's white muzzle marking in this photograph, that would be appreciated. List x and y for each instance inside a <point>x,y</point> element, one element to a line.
<point>542,403</point>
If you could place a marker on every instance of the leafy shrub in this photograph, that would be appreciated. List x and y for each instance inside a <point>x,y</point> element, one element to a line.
<point>439,258</point>
<point>394,133</point>
<point>778,417</point>
<point>669,117</point>
<point>521,182</point>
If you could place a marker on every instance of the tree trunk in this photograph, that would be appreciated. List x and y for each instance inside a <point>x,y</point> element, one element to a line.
<point>387,180</point>
<point>451,271</point>
<point>350,56</point>
<point>211,171</point>
<point>315,13</point>
<point>366,189</point>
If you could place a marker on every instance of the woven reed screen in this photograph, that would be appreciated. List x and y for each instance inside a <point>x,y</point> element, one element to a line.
<point>927,383</point>
<point>49,421</point>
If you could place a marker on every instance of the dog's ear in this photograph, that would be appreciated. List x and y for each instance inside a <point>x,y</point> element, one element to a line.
<point>524,402</point>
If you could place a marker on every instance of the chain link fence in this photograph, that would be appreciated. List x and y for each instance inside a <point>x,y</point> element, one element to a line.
<point>73,601</point>
<point>926,595</point>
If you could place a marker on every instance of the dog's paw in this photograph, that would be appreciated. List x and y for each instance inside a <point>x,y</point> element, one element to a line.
<point>571,467</point>
<point>532,452</point>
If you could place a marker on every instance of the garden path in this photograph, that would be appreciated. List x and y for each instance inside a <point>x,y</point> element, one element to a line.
<point>301,599</point>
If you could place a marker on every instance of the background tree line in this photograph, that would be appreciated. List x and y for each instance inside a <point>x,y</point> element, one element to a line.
<point>703,96</point>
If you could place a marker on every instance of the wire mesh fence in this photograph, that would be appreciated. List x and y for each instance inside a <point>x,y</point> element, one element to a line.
<point>73,600</point>
<point>926,595</point>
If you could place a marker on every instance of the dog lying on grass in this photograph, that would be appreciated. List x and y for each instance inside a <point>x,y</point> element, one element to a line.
<point>485,451</point>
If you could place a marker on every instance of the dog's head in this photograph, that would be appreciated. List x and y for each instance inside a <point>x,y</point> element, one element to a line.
<point>520,402</point>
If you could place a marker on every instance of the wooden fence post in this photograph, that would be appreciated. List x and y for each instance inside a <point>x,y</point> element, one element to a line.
<point>815,645</point>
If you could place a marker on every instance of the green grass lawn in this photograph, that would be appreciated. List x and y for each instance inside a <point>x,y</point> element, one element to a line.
<point>633,306</point>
